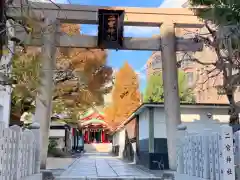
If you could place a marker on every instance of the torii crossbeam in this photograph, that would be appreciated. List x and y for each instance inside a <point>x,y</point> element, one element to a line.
<point>66,13</point>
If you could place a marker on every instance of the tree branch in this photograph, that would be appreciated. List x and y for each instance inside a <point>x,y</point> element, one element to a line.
<point>194,60</point>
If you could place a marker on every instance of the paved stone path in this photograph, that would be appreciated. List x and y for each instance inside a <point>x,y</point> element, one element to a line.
<point>103,166</point>
<point>59,163</point>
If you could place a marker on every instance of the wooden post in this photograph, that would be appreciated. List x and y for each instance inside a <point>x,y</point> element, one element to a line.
<point>170,85</point>
<point>44,97</point>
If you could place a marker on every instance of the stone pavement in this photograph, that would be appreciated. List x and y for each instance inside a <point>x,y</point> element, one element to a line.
<point>59,163</point>
<point>103,166</point>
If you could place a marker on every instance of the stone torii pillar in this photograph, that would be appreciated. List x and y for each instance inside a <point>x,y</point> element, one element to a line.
<point>170,85</point>
<point>44,98</point>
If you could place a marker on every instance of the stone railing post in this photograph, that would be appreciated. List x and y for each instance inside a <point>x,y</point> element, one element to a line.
<point>181,132</point>
<point>35,128</point>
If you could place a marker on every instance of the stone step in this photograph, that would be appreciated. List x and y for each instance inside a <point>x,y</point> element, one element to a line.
<point>98,147</point>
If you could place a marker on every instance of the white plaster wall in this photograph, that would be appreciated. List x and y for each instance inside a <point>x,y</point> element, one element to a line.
<point>144,124</point>
<point>57,133</point>
<point>188,116</point>
<point>221,117</point>
<point>159,123</point>
<point>116,139</point>
<point>121,142</point>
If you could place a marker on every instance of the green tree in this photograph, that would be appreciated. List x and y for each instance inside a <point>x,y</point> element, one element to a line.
<point>154,91</point>
<point>218,11</point>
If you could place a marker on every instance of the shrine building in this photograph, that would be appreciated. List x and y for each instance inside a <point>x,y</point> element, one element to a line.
<point>93,127</point>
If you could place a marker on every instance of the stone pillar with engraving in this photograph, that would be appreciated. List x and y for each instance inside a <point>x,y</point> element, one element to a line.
<point>216,155</point>
<point>226,156</point>
<point>211,157</point>
<point>199,150</point>
<point>205,154</point>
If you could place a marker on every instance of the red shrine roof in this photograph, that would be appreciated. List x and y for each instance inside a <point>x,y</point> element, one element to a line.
<point>93,115</point>
<point>94,118</point>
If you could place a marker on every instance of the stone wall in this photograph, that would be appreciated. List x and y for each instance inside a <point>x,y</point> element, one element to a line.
<point>20,158</point>
<point>207,153</point>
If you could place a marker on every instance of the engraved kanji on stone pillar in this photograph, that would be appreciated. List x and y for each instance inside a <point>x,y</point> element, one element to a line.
<point>211,157</point>
<point>226,159</point>
<point>216,155</point>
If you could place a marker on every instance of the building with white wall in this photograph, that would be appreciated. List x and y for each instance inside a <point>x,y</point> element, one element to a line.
<point>61,133</point>
<point>146,129</point>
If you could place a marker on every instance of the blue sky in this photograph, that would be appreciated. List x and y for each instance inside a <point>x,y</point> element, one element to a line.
<point>136,59</point>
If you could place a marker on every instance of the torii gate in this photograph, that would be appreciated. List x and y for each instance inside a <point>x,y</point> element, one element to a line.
<point>166,19</point>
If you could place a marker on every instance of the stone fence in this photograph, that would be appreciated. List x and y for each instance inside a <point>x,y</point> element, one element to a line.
<point>207,153</point>
<point>19,153</point>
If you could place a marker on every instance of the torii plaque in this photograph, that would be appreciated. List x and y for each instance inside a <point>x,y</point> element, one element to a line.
<point>110,28</point>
